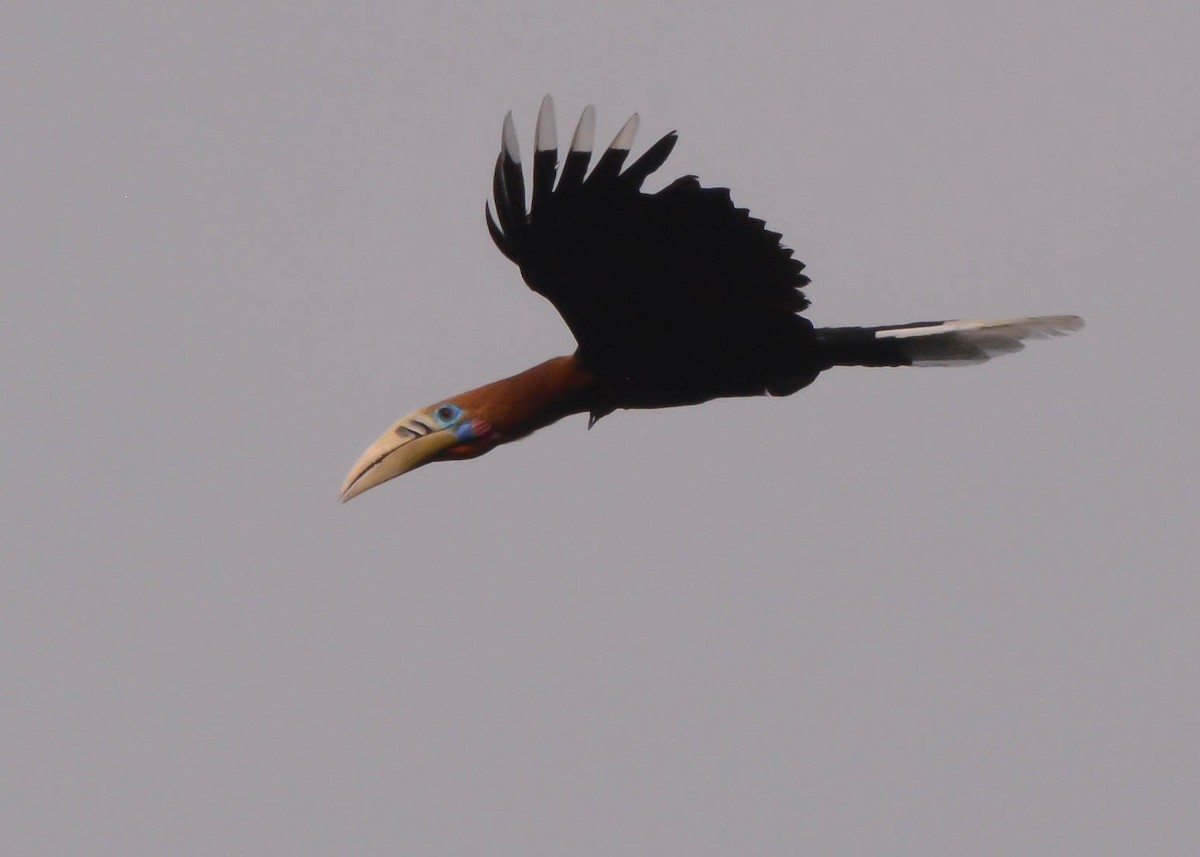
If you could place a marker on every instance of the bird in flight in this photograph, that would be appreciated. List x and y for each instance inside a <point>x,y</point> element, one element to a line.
<point>674,298</point>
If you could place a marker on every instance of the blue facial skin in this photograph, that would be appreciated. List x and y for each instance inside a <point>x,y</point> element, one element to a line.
<point>464,432</point>
<point>447,414</point>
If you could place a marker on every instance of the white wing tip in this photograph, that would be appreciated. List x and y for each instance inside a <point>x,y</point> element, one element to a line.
<point>546,137</point>
<point>508,139</point>
<point>585,132</point>
<point>624,138</point>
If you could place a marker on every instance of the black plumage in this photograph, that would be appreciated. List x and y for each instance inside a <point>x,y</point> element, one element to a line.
<point>673,297</point>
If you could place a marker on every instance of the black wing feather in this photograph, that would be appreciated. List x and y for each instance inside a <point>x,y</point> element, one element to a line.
<point>653,283</point>
<point>504,213</point>
<point>513,179</point>
<point>651,160</point>
<point>498,235</point>
<point>545,156</point>
<point>580,153</point>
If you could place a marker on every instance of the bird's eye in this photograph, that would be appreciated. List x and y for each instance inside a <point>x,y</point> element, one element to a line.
<point>447,414</point>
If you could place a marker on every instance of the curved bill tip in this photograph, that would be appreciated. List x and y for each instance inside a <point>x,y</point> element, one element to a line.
<point>405,446</point>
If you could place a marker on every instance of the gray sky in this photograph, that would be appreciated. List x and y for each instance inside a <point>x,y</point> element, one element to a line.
<point>903,612</point>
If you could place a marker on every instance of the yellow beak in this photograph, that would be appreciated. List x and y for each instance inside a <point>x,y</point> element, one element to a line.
<point>411,442</point>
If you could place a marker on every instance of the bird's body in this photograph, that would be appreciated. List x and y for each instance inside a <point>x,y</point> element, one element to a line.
<point>674,298</point>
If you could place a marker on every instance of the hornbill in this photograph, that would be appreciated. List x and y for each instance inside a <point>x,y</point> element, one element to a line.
<point>674,298</point>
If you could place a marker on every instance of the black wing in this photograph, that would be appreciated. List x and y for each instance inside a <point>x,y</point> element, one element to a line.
<point>642,279</point>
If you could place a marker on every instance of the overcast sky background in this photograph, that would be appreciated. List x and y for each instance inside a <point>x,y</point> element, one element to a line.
<point>903,612</point>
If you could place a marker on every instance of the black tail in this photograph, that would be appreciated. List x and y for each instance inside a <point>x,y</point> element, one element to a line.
<point>936,343</point>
